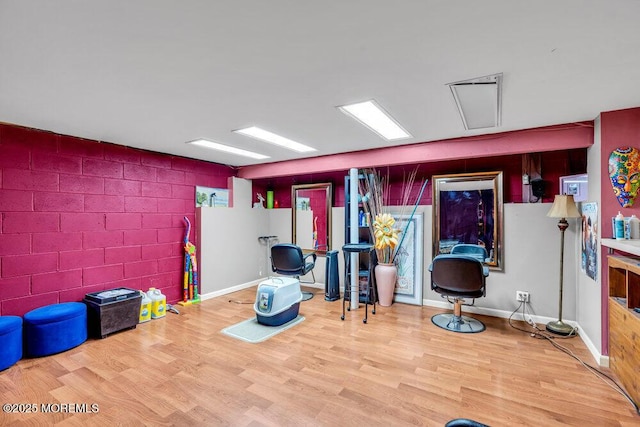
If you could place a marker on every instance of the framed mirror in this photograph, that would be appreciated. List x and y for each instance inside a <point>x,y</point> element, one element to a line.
<point>311,216</point>
<point>467,208</point>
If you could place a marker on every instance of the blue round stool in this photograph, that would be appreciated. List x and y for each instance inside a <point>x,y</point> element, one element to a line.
<point>55,328</point>
<point>11,339</point>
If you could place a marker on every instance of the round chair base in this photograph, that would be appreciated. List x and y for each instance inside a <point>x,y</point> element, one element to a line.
<point>306,296</point>
<point>462,324</point>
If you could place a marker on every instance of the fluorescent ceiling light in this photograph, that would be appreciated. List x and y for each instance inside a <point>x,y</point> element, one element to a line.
<point>227,149</point>
<point>264,135</point>
<point>479,101</point>
<point>370,114</point>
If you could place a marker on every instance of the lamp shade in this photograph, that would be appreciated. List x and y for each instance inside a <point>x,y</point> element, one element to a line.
<point>564,207</point>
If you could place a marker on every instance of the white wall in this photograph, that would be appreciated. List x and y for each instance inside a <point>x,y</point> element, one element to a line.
<point>232,258</point>
<point>230,255</point>
<point>589,300</point>
<point>531,263</point>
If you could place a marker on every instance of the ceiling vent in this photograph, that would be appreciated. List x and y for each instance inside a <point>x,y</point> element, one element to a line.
<point>479,101</point>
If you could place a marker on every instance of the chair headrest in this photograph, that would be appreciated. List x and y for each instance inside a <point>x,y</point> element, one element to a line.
<point>470,259</point>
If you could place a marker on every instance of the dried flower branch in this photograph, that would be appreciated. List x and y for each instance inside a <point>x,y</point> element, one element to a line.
<point>375,192</point>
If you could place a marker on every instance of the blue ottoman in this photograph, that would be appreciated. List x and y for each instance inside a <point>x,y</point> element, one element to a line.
<point>11,339</point>
<point>55,328</point>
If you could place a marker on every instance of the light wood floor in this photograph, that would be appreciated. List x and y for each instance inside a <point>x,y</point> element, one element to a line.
<point>399,369</point>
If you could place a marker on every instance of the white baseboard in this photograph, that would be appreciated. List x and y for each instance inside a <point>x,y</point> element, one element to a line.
<point>225,291</point>
<point>242,286</point>
<point>597,356</point>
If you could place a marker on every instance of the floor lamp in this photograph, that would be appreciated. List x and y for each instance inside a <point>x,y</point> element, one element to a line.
<point>563,207</point>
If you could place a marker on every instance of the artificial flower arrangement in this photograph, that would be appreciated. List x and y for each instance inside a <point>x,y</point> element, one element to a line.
<point>375,193</point>
<point>385,237</point>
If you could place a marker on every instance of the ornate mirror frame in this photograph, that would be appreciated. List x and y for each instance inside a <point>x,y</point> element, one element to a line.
<point>311,216</point>
<point>467,208</point>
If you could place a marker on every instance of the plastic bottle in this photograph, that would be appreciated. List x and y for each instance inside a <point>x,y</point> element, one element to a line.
<point>619,224</point>
<point>634,227</point>
<point>158,303</point>
<point>145,308</point>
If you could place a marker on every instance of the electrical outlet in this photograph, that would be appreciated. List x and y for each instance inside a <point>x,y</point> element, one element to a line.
<point>522,296</point>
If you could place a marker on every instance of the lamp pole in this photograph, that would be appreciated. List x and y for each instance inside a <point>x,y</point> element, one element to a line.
<point>558,326</point>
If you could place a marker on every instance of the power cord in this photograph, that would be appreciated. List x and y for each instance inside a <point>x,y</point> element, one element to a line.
<point>541,334</point>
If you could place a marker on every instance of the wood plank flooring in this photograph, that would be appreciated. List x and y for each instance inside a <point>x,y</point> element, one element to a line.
<point>397,370</point>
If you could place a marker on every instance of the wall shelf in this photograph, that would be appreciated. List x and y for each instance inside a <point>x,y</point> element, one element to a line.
<point>628,246</point>
<point>364,236</point>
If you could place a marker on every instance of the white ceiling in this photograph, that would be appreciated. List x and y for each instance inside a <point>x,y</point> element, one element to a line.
<point>154,74</point>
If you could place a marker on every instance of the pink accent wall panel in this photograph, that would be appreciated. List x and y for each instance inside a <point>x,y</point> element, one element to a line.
<point>619,128</point>
<point>79,216</point>
<point>554,164</point>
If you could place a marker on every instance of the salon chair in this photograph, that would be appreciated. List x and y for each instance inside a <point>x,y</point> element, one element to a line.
<point>287,259</point>
<point>476,251</point>
<point>458,277</point>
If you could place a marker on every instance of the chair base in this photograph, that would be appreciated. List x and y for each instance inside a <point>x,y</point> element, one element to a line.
<point>306,296</point>
<point>454,323</point>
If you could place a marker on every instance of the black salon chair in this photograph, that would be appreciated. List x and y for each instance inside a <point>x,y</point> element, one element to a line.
<point>475,251</point>
<point>288,260</point>
<point>457,278</point>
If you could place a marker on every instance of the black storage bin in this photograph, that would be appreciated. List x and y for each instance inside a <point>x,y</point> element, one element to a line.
<point>332,278</point>
<point>112,310</point>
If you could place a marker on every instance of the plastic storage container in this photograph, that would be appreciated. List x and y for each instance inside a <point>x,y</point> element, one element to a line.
<point>158,303</point>
<point>634,227</point>
<point>277,300</point>
<point>145,308</point>
<point>619,226</point>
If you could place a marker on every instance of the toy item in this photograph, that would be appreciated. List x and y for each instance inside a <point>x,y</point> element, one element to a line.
<point>190,281</point>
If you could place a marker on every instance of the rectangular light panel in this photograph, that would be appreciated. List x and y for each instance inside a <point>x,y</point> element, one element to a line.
<point>227,149</point>
<point>272,138</point>
<point>370,114</point>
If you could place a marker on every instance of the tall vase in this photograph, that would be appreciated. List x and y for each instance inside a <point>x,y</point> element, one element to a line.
<point>386,275</point>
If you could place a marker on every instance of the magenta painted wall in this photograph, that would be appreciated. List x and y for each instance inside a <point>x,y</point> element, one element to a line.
<point>79,216</point>
<point>617,129</point>
<point>554,165</point>
<point>545,139</point>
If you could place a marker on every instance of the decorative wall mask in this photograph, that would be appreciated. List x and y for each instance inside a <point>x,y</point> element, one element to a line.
<point>624,171</point>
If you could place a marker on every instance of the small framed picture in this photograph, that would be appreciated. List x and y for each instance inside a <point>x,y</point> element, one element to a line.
<point>576,186</point>
<point>211,197</point>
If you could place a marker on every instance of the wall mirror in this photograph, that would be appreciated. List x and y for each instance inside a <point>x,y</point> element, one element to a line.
<point>467,208</point>
<point>311,216</point>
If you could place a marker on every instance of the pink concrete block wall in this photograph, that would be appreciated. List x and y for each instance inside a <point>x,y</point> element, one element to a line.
<point>79,216</point>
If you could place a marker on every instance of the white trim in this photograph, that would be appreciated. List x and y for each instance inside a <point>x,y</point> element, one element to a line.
<point>242,286</point>
<point>229,290</point>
